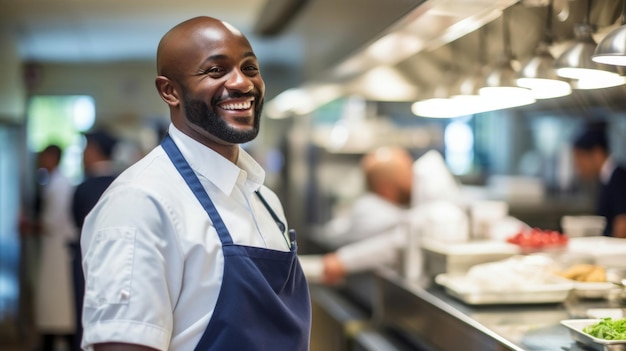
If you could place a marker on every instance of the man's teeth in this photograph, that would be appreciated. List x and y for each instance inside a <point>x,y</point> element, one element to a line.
<point>238,106</point>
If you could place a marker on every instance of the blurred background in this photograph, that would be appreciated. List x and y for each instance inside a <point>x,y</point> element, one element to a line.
<point>342,77</point>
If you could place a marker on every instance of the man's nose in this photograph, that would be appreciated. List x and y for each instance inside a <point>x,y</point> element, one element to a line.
<point>239,81</point>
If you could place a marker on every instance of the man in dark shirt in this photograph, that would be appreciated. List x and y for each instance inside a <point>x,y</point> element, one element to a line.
<point>594,162</point>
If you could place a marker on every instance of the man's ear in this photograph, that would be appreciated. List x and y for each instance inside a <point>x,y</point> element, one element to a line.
<point>167,91</point>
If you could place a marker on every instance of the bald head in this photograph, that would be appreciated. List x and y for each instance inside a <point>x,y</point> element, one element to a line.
<point>389,173</point>
<point>185,38</point>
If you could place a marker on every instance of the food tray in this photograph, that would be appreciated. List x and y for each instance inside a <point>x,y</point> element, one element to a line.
<point>606,251</point>
<point>459,258</point>
<point>593,290</point>
<point>460,288</point>
<point>576,326</point>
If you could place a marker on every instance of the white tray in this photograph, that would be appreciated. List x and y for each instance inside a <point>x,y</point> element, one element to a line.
<point>576,326</point>
<point>593,290</point>
<point>459,287</point>
<point>606,251</point>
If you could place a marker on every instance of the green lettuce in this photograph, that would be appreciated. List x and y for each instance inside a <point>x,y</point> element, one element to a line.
<point>608,329</point>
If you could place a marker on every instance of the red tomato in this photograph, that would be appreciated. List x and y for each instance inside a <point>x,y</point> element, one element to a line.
<point>536,238</point>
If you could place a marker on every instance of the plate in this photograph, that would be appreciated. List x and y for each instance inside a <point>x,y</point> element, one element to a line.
<point>463,289</point>
<point>593,290</point>
<point>576,326</point>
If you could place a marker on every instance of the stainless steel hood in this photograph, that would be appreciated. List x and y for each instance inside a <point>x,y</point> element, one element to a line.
<point>437,42</point>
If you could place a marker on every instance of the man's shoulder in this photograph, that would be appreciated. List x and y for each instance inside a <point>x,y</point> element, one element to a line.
<point>619,175</point>
<point>154,162</point>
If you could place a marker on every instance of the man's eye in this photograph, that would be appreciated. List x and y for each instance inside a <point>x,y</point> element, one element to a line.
<point>251,69</point>
<point>214,70</point>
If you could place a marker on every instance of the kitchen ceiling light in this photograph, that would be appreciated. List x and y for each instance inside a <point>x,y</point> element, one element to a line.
<point>576,62</point>
<point>500,87</point>
<point>539,76</point>
<point>501,90</point>
<point>538,73</point>
<point>436,108</point>
<point>302,101</point>
<point>612,49</point>
<point>383,83</point>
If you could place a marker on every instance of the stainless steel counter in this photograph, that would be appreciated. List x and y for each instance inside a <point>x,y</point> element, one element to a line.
<point>424,312</point>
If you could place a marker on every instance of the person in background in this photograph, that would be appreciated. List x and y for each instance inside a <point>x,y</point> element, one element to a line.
<point>375,229</point>
<point>54,312</point>
<point>100,171</point>
<point>187,249</point>
<point>593,161</point>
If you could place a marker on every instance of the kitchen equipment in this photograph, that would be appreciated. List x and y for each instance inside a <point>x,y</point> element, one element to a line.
<point>442,257</point>
<point>576,326</point>
<point>484,215</point>
<point>606,251</point>
<point>522,189</point>
<point>462,288</point>
<point>443,221</point>
<point>580,226</point>
<point>593,290</point>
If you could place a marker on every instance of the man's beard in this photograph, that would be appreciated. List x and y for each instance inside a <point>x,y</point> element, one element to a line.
<point>199,113</point>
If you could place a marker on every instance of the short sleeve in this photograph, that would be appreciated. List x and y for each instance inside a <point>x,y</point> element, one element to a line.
<point>129,264</point>
<point>115,247</point>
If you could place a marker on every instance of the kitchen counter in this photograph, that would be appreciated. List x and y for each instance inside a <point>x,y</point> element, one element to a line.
<point>424,312</point>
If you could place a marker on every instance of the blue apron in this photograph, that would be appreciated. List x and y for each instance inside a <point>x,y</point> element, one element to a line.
<point>263,303</point>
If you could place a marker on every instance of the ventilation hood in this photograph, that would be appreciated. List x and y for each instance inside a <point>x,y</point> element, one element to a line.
<point>430,25</point>
<point>438,40</point>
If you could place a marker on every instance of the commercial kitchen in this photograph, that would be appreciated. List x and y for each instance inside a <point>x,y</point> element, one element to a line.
<point>485,95</point>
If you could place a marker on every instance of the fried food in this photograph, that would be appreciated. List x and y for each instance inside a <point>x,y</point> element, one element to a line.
<point>585,273</point>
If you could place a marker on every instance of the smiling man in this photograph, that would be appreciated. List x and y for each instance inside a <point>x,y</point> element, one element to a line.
<point>187,249</point>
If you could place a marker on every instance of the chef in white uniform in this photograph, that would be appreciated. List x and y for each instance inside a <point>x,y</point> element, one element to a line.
<point>54,308</point>
<point>403,197</point>
<point>375,227</point>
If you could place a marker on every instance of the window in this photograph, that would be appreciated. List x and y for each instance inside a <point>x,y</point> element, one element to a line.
<point>60,120</point>
<point>459,146</point>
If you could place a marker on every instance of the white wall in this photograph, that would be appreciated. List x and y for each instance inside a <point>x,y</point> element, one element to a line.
<point>124,93</point>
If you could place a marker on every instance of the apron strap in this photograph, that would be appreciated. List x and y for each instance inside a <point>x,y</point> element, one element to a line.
<point>196,187</point>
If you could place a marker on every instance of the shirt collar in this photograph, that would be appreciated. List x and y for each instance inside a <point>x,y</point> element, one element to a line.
<point>607,170</point>
<point>206,162</point>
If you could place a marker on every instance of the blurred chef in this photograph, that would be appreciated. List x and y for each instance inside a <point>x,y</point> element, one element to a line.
<point>374,231</point>
<point>593,161</point>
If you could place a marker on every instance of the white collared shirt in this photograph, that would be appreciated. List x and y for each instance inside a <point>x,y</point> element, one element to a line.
<point>152,258</point>
<point>606,172</point>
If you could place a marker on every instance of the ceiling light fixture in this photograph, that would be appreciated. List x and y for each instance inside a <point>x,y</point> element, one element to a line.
<point>500,86</point>
<point>612,49</point>
<point>465,90</point>
<point>538,73</point>
<point>455,99</point>
<point>576,62</point>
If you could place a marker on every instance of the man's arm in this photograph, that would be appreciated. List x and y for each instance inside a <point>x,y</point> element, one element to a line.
<point>114,346</point>
<point>619,226</point>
